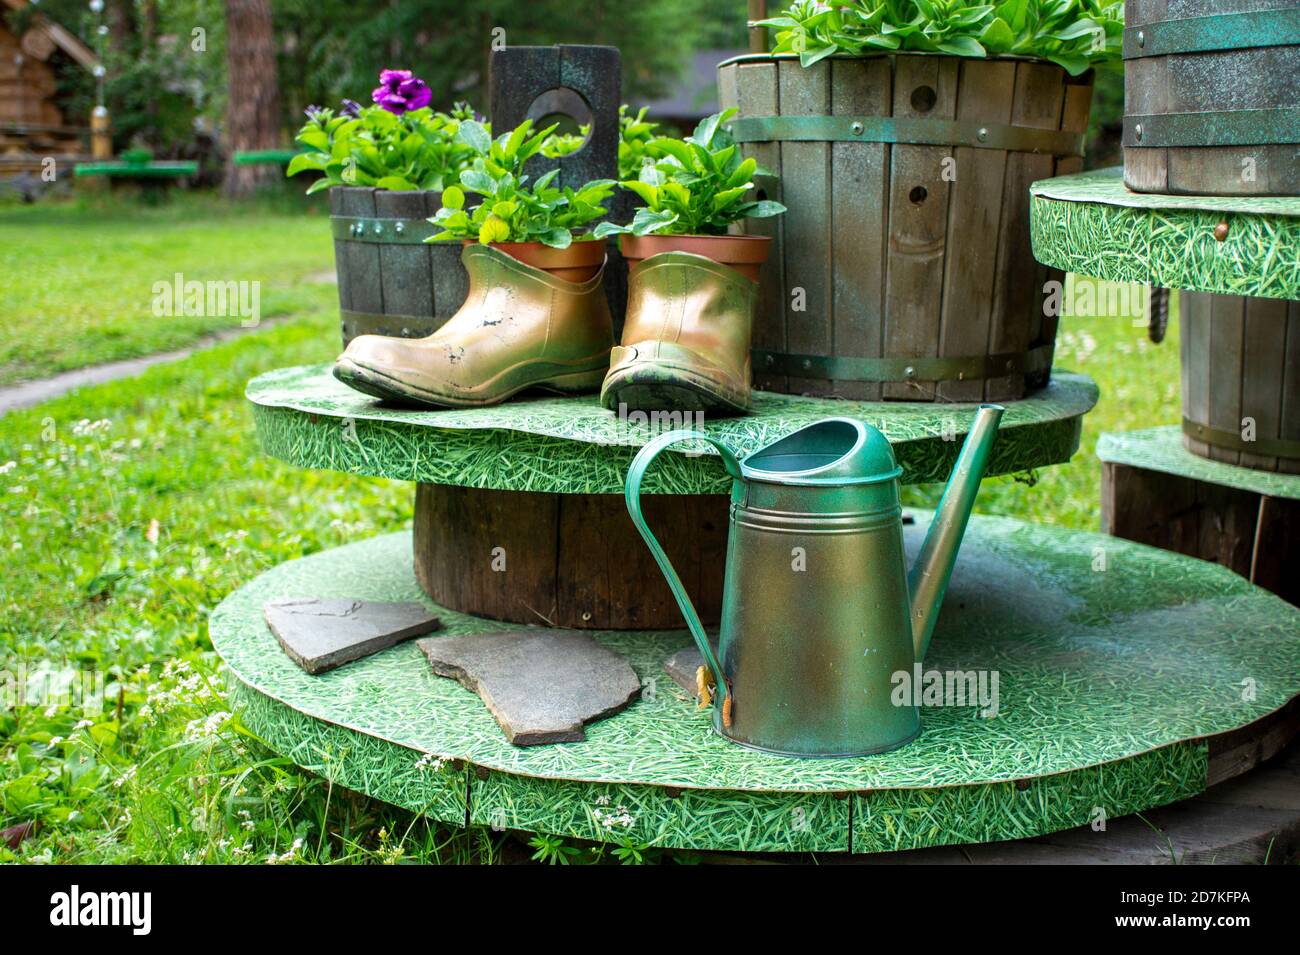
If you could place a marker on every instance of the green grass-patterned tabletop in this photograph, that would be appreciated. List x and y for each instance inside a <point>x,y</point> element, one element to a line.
<point>1114,661</point>
<point>1090,223</point>
<point>1161,449</point>
<point>574,446</point>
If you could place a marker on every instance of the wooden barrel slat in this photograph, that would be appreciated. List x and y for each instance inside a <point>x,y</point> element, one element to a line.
<point>757,93</point>
<point>1241,360</point>
<point>1209,81</point>
<point>567,560</point>
<point>859,196</point>
<point>895,251</point>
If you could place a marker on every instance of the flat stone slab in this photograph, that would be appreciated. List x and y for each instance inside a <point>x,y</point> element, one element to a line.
<point>320,635</point>
<point>542,686</point>
<point>683,665</point>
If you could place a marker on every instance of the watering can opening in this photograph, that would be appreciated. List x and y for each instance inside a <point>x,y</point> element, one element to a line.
<point>833,451</point>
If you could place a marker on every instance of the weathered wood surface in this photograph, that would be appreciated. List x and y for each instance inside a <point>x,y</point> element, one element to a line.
<point>1256,536</point>
<point>1254,78</point>
<point>585,82</point>
<point>567,560</point>
<point>1240,363</point>
<point>389,288</point>
<point>902,251</point>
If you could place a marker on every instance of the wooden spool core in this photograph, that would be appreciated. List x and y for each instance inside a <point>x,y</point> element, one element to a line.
<point>567,560</point>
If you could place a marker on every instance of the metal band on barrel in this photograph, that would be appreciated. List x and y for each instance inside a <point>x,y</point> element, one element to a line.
<point>917,132</point>
<point>1221,31</point>
<point>384,231</point>
<point>1231,127</point>
<point>846,368</point>
<point>1233,441</point>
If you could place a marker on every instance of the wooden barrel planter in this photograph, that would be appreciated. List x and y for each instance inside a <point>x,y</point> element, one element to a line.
<point>1212,97</point>
<point>390,281</point>
<point>903,268</point>
<point>1241,379</point>
<point>567,560</point>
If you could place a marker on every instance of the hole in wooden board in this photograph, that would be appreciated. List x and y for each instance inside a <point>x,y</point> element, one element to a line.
<point>568,109</point>
<point>923,99</point>
<point>918,195</point>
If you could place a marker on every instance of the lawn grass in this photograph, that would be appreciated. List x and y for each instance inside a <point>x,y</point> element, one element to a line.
<point>130,509</point>
<point>77,279</point>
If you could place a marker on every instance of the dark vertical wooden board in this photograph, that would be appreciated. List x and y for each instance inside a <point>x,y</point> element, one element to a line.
<point>1227,327</point>
<point>1194,340</point>
<point>570,560</point>
<point>447,273</point>
<point>986,90</point>
<point>341,270</point>
<point>1220,524</point>
<point>365,278</point>
<point>859,204</point>
<point>1019,280</point>
<point>1261,372</point>
<point>917,246</point>
<point>1146,87</point>
<point>1290,413</point>
<point>808,221</point>
<point>758,94</point>
<point>1277,548</point>
<point>596,73</point>
<point>517,76</point>
<point>404,268</point>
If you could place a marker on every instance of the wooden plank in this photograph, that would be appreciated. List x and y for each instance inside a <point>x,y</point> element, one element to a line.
<point>986,90</point>
<point>1018,290</point>
<point>805,177</point>
<point>447,276</point>
<point>1276,553</point>
<point>1227,326</point>
<point>859,196</point>
<point>360,260</point>
<point>341,270</point>
<point>1261,376</point>
<point>758,94</point>
<point>404,270</point>
<point>1194,340</point>
<point>1289,416</point>
<point>918,217</point>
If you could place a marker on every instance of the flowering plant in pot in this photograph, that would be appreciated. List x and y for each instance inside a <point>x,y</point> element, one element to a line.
<point>398,143</point>
<point>693,191</point>
<point>536,222</point>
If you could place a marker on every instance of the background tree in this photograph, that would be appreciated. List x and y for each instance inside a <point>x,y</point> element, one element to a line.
<point>253,119</point>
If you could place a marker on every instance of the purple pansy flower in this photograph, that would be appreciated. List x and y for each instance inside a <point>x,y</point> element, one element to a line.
<point>401,91</point>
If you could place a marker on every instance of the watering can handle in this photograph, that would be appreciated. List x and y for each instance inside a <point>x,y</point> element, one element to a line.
<point>632,492</point>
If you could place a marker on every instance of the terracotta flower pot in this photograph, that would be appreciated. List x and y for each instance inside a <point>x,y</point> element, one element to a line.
<point>578,263</point>
<point>744,253</point>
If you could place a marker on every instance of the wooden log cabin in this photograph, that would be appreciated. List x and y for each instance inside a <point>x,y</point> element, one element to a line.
<point>32,127</point>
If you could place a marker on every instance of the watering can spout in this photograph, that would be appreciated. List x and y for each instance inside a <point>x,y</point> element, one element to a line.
<point>928,579</point>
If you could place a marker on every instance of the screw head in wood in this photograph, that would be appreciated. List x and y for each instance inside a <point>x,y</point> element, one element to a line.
<point>1142,39</point>
<point>1137,131</point>
<point>1221,231</point>
<point>400,228</point>
<point>909,372</point>
<point>856,129</point>
<point>982,135</point>
<point>379,229</point>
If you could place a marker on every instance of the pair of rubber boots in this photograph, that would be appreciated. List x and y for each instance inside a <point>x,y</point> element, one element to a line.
<point>685,340</point>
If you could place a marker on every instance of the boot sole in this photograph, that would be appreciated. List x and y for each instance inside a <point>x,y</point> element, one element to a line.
<point>378,385</point>
<point>656,387</point>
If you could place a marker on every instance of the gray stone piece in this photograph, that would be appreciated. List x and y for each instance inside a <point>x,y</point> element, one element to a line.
<point>542,686</point>
<point>320,635</point>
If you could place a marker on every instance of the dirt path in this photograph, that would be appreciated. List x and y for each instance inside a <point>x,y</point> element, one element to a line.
<point>13,397</point>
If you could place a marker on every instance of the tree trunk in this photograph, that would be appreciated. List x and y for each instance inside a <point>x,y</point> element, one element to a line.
<point>253,116</point>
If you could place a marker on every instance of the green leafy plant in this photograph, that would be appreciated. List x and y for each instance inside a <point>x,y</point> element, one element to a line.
<point>635,133</point>
<point>511,210</point>
<point>371,146</point>
<point>564,144</point>
<point>695,186</point>
<point>1075,34</point>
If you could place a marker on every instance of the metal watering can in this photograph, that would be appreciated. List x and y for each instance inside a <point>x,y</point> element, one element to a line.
<point>819,610</point>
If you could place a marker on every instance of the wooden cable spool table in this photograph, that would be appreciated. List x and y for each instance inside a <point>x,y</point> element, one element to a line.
<point>1120,689</point>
